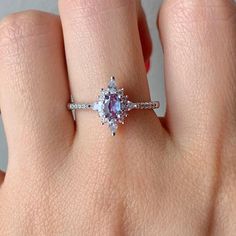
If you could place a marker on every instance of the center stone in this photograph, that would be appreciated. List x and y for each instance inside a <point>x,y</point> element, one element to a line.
<point>112,106</point>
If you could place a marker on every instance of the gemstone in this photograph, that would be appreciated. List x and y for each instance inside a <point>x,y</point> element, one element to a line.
<point>97,106</point>
<point>113,126</point>
<point>112,83</point>
<point>112,106</point>
<point>130,106</point>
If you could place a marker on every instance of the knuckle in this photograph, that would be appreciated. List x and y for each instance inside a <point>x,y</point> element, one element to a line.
<point>90,7</point>
<point>23,28</point>
<point>199,22</point>
<point>21,24</point>
<point>189,12</point>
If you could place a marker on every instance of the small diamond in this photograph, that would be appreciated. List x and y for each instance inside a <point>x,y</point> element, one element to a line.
<point>131,106</point>
<point>112,83</point>
<point>113,126</point>
<point>97,106</point>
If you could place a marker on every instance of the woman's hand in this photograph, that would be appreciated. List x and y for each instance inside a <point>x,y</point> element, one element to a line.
<point>174,177</point>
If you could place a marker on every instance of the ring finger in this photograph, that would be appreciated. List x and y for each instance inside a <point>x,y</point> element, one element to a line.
<point>101,40</point>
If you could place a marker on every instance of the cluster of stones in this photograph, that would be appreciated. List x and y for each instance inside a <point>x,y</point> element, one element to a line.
<point>112,106</point>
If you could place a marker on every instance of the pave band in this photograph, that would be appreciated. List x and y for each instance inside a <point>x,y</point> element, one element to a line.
<point>137,105</point>
<point>113,106</point>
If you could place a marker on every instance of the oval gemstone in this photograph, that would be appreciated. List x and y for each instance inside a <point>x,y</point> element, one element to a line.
<point>112,106</point>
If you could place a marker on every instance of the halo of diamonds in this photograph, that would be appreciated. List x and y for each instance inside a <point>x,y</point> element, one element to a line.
<point>112,106</point>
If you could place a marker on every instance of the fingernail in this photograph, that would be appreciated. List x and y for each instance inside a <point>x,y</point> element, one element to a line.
<point>147,65</point>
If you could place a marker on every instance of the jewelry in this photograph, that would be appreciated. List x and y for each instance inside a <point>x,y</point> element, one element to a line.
<point>113,106</point>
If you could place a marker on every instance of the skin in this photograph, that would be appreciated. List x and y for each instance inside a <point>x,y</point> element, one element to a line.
<point>170,177</point>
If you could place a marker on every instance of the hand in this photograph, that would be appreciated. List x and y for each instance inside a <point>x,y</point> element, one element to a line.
<point>174,177</point>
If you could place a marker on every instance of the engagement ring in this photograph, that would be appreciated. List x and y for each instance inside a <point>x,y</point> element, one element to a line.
<point>113,106</point>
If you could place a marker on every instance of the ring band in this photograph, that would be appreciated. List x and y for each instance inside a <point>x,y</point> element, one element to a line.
<point>137,105</point>
<point>113,106</point>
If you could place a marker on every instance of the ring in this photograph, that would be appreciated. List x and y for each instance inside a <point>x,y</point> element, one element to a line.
<point>113,106</point>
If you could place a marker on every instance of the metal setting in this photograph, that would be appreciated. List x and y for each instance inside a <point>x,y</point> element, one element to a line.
<point>113,106</point>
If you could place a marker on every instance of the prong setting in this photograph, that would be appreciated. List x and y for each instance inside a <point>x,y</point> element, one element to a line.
<point>112,106</point>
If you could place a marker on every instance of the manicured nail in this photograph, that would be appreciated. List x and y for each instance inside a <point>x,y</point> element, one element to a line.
<point>147,65</point>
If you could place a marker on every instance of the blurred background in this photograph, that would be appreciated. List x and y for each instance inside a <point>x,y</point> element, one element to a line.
<point>155,76</point>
